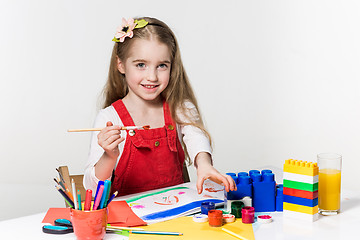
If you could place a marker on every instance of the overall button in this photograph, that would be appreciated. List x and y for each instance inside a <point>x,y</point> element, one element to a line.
<point>131,132</point>
<point>157,143</point>
<point>171,127</point>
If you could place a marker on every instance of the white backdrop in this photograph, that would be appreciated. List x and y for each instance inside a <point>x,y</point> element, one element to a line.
<point>274,80</point>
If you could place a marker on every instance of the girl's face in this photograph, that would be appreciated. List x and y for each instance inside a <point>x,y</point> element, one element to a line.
<point>147,69</point>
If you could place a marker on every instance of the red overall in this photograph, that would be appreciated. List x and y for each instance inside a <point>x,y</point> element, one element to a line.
<point>151,158</point>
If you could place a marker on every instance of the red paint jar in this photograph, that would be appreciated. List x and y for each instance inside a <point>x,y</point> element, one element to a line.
<point>215,218</point>
<point>89,225</point>
<point>248,214</point>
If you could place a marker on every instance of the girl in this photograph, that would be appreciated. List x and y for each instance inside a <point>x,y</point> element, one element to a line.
<point>147,85</point>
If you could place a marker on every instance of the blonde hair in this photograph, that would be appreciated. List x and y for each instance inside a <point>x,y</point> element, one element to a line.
<point>178,91</point>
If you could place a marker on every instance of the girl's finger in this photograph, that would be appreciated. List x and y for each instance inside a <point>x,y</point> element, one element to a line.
<point>111,139</point>
<point>199,185</point>
<point>110,129</point>
<point>225,182</point>
<point>115,144</point>
<point>231,182</point>
<point>219,178</point>
<point>103,136</point>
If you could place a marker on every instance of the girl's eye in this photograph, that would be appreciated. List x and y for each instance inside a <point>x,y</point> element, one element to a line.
<point>164,66</point>
<point>140,65</point>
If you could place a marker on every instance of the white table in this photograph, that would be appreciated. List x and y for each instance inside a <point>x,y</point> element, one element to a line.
<point>342,226</point>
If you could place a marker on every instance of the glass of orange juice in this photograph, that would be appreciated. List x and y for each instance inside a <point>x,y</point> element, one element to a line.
<point>329,183</point>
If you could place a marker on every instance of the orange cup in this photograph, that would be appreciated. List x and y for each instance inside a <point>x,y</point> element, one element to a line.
<point>89,225</point>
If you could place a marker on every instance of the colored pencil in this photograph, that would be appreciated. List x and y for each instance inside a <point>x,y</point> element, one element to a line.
<point>233,234</point>
<point>61,177</point>
<point>57,180</point>
<point>65,188</point>
<point>156,232</point>
<point>97,202</point>
<point>79,199</point>
<point>59,184</point>
<point>66,197</point>
<point>146,127</point>
<point>111,198</point>
<point>74,193</point>
<point>124,228</point>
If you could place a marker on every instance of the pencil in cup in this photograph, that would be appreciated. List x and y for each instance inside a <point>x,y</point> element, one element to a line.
<point>76,206</point>
<point>66,197</point>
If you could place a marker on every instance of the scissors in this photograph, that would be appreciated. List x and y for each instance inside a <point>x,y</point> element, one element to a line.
<point>61,226</point>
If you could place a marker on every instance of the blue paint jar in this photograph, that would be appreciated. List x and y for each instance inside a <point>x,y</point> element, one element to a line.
<point>207,206</point>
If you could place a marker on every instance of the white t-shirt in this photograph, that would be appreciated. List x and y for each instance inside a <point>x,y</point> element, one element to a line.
<point>195,140</point>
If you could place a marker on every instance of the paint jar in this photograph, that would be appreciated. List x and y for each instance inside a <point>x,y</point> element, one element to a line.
<point>228,218</point>
<point>329,183</point>
<point>215,218</point>
<point>248,214</point>
<point>207,206</point>
<point>236,207</point>
<point>89,225</point>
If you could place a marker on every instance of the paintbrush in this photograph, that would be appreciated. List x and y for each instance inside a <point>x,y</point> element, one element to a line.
<point>146,127</point>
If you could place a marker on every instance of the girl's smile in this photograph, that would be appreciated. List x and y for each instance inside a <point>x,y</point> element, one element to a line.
<point>148,86</point>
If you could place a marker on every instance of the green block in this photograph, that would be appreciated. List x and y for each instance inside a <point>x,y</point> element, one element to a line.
<point>301,186</point>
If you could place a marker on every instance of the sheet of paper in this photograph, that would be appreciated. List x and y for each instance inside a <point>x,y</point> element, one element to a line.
<point>55,213</point>
<point>195,231</point>
<point>165,204</point>
<point>120,214</point>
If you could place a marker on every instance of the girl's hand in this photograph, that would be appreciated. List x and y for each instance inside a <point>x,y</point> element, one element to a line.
<point>206,171</point>
<point>109,138</point>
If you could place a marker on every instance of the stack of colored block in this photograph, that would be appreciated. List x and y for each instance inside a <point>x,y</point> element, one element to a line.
<point>300,190</point>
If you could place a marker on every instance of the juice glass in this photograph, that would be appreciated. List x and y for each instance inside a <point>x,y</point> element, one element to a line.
<point>329,183</point>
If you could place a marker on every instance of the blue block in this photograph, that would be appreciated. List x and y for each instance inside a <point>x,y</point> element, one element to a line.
<point>244,188</point>
<point>231,174</point>
<point>265,171</point>
<point>301,201</point>
<point>251,172</point>
<point>264,188</point>
<point>279,198</point>
<point>242,174</point>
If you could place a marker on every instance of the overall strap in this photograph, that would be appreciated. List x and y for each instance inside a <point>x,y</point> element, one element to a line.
<point>127,120</point>
<point>170,127</point>
<point>123,113</point>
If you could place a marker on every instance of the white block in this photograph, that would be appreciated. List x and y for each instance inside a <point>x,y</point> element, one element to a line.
<point>301,216</point>
<point>300,178</point>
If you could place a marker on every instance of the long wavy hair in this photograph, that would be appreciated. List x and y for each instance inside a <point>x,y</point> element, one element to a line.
<point>178,91</point>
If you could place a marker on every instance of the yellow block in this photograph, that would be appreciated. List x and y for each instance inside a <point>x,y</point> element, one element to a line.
<point>301,167</point>
<point>195,231</point>
<point>301,208</point>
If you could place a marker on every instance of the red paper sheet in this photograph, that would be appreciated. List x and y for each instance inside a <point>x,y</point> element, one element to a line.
<point>120,214</point>
<point>56,213</point>
<point>120,210</point>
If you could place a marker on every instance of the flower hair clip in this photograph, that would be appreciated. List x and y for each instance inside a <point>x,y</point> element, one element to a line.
<point>126,28</point>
